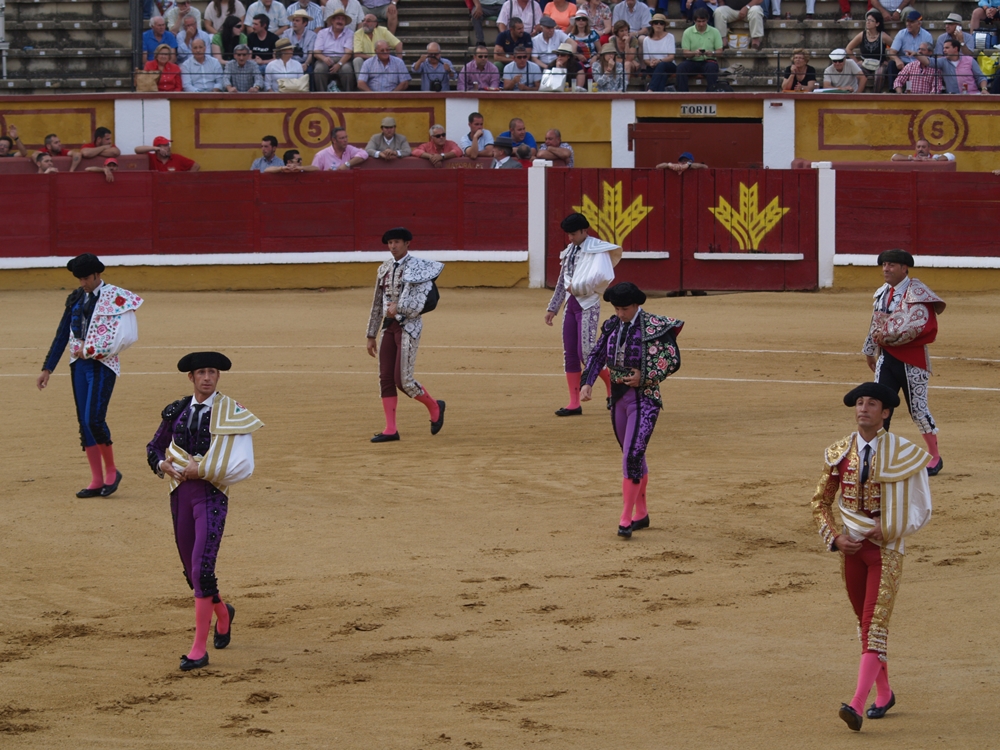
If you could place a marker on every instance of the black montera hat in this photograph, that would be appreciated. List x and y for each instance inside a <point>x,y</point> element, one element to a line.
<point>200,360</point>
<point>889,399</point>
<point>399,233</point>
<point>895,256</point>
<point>574,223</point>
<point>85,265</point>
<point>624,294</point>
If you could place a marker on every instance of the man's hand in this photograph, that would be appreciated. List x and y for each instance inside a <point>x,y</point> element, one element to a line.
<point>372,345</point>
<point>253,89</point>
<point>109,175</point>
<point>477,135</point>
<point>391,309</point>
<point>632,381</point>
<point>43,379</point>
<point>586,392</point>
<point>846,545</point>
<point>344,167</point>
<point>447,67</point>
<point>388,154</point>
<point>191,470</point>
<point>871,362</point>
<point>549,317</point>
<point>435,159</point>
<point>875,534</point>
<point>171,471</point>
<point>743,12</point>
<point>230,89</point>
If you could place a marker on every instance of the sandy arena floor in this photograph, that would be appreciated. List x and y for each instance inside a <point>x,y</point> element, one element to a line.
<point>468,590</point>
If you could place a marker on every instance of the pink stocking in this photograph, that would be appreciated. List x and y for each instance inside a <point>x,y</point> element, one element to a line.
<point>202,623</point>
<point>630,494</point>
<point>640,503</point>
<point>108,454</point>
<point>432,405</point>
<point>389,407</point>
<point>867,673</point>
<point>573,381</point>
<point>605,375</point>
<point>884,692</point>
<point>96,475</point>
<point>932,446</point>
<point>221,617</point>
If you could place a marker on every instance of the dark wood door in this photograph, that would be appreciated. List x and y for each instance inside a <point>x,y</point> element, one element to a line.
<point>721,144</point>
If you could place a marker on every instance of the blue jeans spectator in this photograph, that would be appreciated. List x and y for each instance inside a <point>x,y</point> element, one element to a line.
<point>661,76</point>
<point>707,68</point>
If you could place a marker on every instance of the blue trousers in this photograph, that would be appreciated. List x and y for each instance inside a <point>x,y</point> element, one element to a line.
<point>93,384</point>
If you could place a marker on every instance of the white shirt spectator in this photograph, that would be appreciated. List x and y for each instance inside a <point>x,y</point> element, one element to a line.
<point>331,45</point>
<point>638,18</point>
<point>530,14</point>
<point>307,43</point>
<point>277,14</point>
<point>846,79</point>
<point>216,19</point>
<point>277,69</point>
<point>201,78</point>
<point>546,50</point>
<point>530,74</point>
<point>352,8</point>
<point>184,48</point>
<point>656,49</point>
<point>172,17</point>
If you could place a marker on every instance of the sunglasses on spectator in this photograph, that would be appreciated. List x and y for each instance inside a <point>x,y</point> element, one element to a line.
<point>520,57</point>
<point>242,54</point>
<point>482,57</point>
<point>658,23</point>
<point>438,135</point>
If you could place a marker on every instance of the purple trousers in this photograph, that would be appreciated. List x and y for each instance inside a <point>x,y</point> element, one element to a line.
<point>634,419</point>
<point>199,514</point>
<point>579,332</point>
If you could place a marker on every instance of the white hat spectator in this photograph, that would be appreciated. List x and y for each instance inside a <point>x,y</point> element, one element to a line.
<point>953,18</point>
<point>838,54</point>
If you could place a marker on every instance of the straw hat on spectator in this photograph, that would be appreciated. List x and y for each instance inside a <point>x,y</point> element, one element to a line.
<point>303,14</point>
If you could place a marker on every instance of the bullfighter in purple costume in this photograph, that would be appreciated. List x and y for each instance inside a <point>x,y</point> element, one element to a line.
<point>641,351</point>
<point>204,446</point>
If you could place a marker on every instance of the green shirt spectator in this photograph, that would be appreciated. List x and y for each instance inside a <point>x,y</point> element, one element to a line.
<point>709,40</point>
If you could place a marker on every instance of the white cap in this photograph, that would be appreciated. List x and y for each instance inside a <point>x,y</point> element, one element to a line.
<point>838,54</point>
<point>949,156</point>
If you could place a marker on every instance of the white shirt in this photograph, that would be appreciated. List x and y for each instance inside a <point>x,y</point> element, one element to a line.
<point>201,77</point>
<point>501,162</point>
<point>353,9</point>
<point>277,69</point>
<point>546,50</point>
<point>657,48</point>
<point>277,14</point>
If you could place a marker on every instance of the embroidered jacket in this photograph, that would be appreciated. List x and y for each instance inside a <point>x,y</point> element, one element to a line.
<point>408,284</point>
<point>905,332</point>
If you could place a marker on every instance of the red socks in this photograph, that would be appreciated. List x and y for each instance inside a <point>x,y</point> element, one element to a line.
<point>203,607</point>
<point>431,404</point>
<point>389,407</point>
<point>868,672</point>
<point>96,475</point>
<point>110,472</point>
<point>630,494</point>
<point>221,617</point>
<point>573,381</point>
<point>640,502</point>
<point>605,375</point>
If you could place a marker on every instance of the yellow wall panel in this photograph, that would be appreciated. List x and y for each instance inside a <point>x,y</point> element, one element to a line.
<point>73,121</point>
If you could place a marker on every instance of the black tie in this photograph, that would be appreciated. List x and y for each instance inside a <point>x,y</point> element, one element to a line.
<point>194,419</point>
<point>88,310</point>
<point>866,466</point>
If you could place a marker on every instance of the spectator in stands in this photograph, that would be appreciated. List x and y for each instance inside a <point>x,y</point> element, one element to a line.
<point>108,170</point>
<point>7,147</point>
<point>479,74</point>
<point>383,72</point>
<point>100,147</point>
<point>438,149</point>
<point>872,49</point>
<point>637,15</point>
<point>528,12</point>
<point>303,39</point>
<point>567,58</point>
<point>800,75</point>
<point>276,14</point>
<point>890,9</point>
<point>658,52</point>
<point>188,34</point>
<point>332,50</point>
<point>515,36</point>
<point>844,74</point>
<point>155,36</point>
<point>700,45</point>
<point>598,14</point>
<point>560,11</point>
<point>241,75</point>
<point>908,40</point>
<point>224,43</point>
<point>479,141</point>
<point>586,38</point>
<point>545,44</point>
<point>44,163</point>
<point>312,10</point>
<point>217,12</point>
<point>268,155</point>
<point>170,74</point>
<point>609,74</point>
<point>355,13</point>
<point>174,17</point>
<point>521,74</point>
<point>523,154</point>
<point>53,147</point>
<point>481,10</point>
<point>742,10</point>
<point>162,160</point>
<point>517,134</point>
<point>292,164</point>
<point>556,148</point>
<point>436,73</point>
<point>960,73</point>
<point>339,155</point>
<point>283,66</point>
<point>918,78</point>
<point>988,13</point>
<point>388,144</point>
<point>503,147</point>
<point>201,73</point>
<point>384,10</point>
<point>367,37</point>
<point>16,148</point>
<point>922,153</point>
<point>684,162</point>
<point>626,47</point>
<point>261,41</point>
<point>953,30</point>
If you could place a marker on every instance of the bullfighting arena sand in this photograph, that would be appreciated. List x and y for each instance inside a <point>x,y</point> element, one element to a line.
<point>468,590</point>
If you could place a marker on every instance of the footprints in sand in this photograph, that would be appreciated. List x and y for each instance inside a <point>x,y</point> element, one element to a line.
<point>132,702</point>
<point>15,721</point>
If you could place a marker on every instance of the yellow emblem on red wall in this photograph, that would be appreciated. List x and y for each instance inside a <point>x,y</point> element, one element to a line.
<point>750,225</point>
<point>612,222</point>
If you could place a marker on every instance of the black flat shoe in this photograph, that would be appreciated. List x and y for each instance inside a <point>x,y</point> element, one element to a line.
<point>110,489</point>
<point>188,664</point>
<point>625,531</point>
<point>642,523</point>
<point>564,412</point>
<point>90,493</point>
<point>609,403</point>
<point>851,717</point>
<point>877,712</point>
<point>439,423</point>
<point>383,438</point>
<point>222,640</point>
<point>933,471</point>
